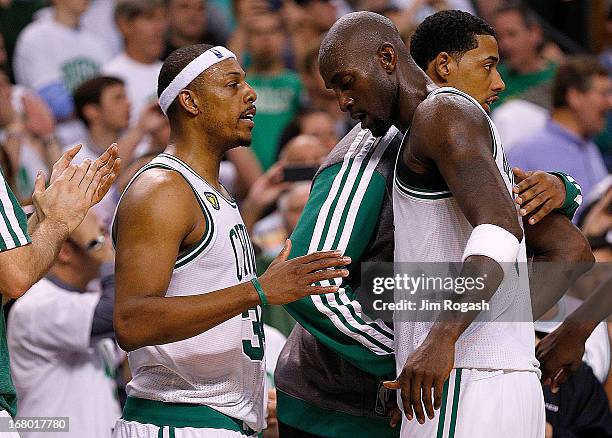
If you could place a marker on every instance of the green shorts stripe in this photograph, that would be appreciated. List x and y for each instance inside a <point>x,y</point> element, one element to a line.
<point>164,414</point>
<point>442,411</point>
<point>453,420</point>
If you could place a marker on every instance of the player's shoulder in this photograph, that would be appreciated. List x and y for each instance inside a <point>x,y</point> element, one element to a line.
<point>444,114</point>
<point>157,193</point>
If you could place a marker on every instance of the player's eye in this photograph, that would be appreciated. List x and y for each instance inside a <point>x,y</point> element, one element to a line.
<point>233,84</point>
<point>488,67</point>
<point>346,83</point>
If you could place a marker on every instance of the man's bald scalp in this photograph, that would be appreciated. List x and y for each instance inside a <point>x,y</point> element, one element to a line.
<point>362,30</point>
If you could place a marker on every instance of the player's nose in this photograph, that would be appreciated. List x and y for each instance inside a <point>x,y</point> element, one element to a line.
<point>498,84</point>
<point>345,103</point>
<point>250,95</point>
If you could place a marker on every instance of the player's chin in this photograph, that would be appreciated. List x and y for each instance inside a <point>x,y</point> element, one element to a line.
<point>245,139</point>
<point>378,127</point>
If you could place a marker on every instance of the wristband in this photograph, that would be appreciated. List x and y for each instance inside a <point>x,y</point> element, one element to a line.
<point>260,292</point>
<point>573,195</point>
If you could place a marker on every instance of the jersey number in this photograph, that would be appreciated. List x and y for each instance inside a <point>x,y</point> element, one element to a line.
<point>253,346</point>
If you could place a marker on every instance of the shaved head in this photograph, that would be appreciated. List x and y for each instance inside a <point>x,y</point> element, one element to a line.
<point>357,36</point>
<point>358,59</point>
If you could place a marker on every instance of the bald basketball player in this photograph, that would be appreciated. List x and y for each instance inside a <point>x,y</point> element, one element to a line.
<point>448,159</point>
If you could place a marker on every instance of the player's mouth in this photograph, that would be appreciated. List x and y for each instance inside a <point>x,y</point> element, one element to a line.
<point>491,100</point>
<point>247,116</point>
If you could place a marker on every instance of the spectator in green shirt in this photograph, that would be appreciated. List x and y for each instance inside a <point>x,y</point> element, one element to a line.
<point>278,89</point>
<point>527,74</point>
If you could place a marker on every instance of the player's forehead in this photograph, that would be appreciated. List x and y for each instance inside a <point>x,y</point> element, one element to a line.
<point>486,49</point>
<point>224,70</point>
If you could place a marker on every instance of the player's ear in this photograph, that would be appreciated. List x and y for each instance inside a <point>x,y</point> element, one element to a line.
<point>187,101</point>
<point>441,67</point>
<point>387,56</point>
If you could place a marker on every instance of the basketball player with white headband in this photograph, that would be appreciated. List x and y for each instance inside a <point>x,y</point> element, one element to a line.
<point>188,301</point>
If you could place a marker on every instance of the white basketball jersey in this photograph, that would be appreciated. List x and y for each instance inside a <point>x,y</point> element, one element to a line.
<point>430,227</point>
<point>224,367</point>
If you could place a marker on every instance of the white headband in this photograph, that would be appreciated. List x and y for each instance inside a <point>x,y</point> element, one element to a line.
<point>192,71</point>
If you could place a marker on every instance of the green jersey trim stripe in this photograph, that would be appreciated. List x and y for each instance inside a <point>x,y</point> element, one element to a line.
<point>420,193</point>
<point>339,212</point>
<point>166,414</point>
<point>230,201</point>
<point>318,421</point>
<point>334,205</point>
<point>14,226</point>
<point>337,311</point>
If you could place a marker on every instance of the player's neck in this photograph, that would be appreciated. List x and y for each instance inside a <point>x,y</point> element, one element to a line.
<point>201,155</point>
<point>413,89</point>
<point>71,277</point>
<point>66,18</point>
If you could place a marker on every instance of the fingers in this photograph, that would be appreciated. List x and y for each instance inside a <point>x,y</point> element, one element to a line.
<point>332,262</point>
<point>64,161</point>
<point>405,394</point>
<point>396,417</point>
<point>533,204</point>
<point>284,254</point>
<point>542,212</point>
<point>320,290</point>
<point>106,182</point>
<point>426,393</point>
<point>415,396</point>
<point>39,183</point>
<point>438,392</point>
<point>527,194</point>
<point>318,256</point>
<point>326,275</point>
<point>520,174</point>
<point>392,384</point>
<point>94,179</point>
<point>84,173</point>
<point>110,154</point>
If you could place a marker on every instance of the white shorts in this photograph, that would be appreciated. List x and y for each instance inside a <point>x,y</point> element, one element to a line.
<point>4,414</point>
<point>133,429</point>
<point>485,404</point>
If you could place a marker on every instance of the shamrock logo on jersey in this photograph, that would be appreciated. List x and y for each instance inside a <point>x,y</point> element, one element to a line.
<point>212,198</point>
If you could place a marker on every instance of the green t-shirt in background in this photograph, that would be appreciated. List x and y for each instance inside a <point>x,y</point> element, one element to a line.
<point>518,84</point>
<point>278,100</point>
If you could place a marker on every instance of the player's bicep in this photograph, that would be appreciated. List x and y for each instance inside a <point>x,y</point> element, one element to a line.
<point>151,224</point>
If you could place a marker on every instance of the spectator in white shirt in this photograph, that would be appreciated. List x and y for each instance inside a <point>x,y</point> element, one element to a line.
<point>60,338</point>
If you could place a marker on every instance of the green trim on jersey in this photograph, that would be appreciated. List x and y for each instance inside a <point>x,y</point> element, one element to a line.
<point>325,423</point>
<point>366,344</point>
<point>163,414</point>
<point>230,201</point>
<point>420,193</point>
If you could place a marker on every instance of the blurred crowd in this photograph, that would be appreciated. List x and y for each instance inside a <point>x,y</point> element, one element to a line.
<point>85,71</point>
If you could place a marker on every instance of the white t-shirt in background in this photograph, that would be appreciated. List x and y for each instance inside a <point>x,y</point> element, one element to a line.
<point>56,370</point>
